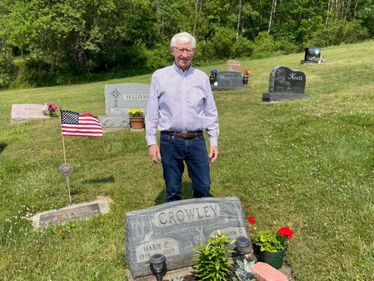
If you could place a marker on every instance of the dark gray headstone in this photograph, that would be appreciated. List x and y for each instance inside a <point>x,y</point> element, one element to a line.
<point>312,55</point>
<point>285,84</point>
<point>226,80</point>
<point>174,228</point>
<point>119,98</point>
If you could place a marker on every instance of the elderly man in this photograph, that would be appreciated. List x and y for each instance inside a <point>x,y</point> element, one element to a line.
<point>181,106</point>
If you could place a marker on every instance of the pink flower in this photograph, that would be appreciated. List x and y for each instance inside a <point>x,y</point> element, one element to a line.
<point>251,220</point>
<point>286,232</point>
<point>52,107</point>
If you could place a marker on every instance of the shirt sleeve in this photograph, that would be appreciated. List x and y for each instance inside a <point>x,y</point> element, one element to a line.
<point>152,115</point>
<point>211,115</point>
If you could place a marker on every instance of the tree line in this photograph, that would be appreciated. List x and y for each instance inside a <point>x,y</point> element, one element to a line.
<point>46,42</point>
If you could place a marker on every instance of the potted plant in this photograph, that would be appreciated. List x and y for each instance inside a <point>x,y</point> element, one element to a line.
<point>272,245</point>
<point>136,119</point>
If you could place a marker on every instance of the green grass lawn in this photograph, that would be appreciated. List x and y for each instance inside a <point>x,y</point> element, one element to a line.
<point>307,163</point>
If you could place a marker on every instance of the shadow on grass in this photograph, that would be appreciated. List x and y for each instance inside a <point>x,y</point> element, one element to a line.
<point>186,192</point>
<point>2,146</point>
<point>99,180</point>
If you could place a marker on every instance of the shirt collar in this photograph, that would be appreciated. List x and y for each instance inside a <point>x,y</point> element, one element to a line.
<point>181,72</point>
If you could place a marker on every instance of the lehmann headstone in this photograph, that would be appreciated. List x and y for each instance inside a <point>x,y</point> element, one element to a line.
<point>174,228</point>
<point>119,98</point>
<point>285,84</point>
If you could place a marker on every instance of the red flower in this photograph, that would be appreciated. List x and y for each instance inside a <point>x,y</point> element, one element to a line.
<point>251,220</point>
<point>285,231</point>
<point>247,72</point>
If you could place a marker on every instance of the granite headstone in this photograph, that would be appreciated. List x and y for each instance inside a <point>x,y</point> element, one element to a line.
<point>285,84</point>
<point>24,112</point>
<point>174,228</point>
<point>312,56</point>
<point>233,65</point>
<point>227,80</point>
<point>119,98</point>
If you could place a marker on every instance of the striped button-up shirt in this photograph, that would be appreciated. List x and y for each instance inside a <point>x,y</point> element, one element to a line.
<point>181,101</point>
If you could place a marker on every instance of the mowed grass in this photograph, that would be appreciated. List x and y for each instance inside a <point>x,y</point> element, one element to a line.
<point>305,163</point>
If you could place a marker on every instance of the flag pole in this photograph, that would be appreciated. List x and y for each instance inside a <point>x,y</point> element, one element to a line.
<point>64,152</point>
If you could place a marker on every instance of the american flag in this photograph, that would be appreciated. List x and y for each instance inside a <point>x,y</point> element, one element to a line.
<point>80,124</point>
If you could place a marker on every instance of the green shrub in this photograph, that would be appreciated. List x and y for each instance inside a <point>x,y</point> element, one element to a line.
<point>158,57</point>
<point>7,71</point>
<point>212,261</point>
<point>264,45</point>
<point>337,33</point>
<point>33,71</point>
<point>220,45</point>
<point>242,47</point>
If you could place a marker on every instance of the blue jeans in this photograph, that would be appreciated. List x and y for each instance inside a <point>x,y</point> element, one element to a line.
<point>174,152</point>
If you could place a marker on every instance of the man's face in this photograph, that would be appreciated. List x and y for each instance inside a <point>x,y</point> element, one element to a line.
<point>183,54</point>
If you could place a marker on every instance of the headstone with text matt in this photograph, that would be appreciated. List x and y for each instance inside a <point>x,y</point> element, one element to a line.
<point>174,228</point>
<point>285,84</point>
<point>119,98</point>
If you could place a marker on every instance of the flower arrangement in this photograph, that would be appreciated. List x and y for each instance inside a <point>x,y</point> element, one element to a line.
<point>136,112</point>
<point>51,110</point>
<point>247,72</point>
<point>270,241</point>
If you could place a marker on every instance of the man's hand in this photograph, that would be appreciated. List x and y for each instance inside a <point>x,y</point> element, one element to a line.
<point>154,153</point>
<point>213,153</point>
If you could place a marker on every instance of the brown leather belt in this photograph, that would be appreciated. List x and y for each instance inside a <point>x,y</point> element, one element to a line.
<point>184,134</point>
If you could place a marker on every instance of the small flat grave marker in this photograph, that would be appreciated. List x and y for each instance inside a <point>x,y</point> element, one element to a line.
<point>285,84</point>
<point>119,98</point>
<point>24,112</point>
<point>80,211</point>
<point>174,228</point>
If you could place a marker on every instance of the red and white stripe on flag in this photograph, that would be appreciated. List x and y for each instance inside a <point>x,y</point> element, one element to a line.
<point>80,124</point>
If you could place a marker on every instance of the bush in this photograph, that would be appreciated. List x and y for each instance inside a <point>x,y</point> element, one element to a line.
<point>264,45</point>
<point>338,33</point>
<point>220,46</point>
<point>158,57</point>
<point>7,71</point>
<point>242,47</point>
<point>33,71</point>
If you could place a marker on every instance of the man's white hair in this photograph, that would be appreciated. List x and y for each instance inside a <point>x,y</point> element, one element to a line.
<point>184,38</point>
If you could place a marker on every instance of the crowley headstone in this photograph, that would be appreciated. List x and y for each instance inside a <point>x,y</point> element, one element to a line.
<point>24,112</point>
<point>227,80</point>
<point>119,98</point>
<point>285,84</point>
<point>174,228</point>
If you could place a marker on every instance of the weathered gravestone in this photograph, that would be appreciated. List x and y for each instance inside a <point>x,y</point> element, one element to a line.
<point>233,65</point>
<point>80,211</point>
<point>285,84</point>
<point>119,98</point>
<point>23,112</point>
<point>174,228</point>
<point>227,80</point>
